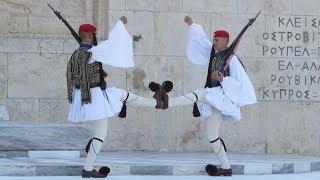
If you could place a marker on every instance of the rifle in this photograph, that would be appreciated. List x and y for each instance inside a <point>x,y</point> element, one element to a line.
<point>224,55</point>
<point>74,34</point>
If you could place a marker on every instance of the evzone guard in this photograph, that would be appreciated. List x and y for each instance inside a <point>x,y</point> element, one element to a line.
<point>227,87</point>
<point>88,94</point>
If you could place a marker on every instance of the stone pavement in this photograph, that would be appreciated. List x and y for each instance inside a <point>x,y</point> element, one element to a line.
<point>155,163</point>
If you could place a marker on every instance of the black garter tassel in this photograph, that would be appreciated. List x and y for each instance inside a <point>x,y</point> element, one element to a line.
<point>123,112</point>
<point>196,112</point>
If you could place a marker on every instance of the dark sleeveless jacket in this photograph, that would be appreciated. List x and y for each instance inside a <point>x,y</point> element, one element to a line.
<point>214,65</point>
<point>82,75</point>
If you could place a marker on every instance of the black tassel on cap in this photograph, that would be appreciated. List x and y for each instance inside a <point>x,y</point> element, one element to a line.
<point>123,112</point>
<point>196,112</point>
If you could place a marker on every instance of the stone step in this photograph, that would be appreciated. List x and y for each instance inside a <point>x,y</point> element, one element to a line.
<point>26,136</point>
<point>158,163</point>
<point>53,154</point>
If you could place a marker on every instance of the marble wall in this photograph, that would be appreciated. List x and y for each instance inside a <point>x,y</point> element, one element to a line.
<point>280,52</point>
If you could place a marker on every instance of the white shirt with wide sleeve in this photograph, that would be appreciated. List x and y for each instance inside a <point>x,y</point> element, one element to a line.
<point>198,45</point>
<point>116,50</point>
<point>238,87</point>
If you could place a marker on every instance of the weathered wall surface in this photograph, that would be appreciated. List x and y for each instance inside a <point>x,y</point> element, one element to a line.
<point>280,52</point>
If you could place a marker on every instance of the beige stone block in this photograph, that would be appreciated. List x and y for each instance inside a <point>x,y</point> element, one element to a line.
<point>290,130</point>
<point>194,76</point>
<point>309,7</point>
<point>21,109</point>
<point>171,69</point>
<point>50,107</point>
<point>17,23</point>
<point>164,128</point>
<point>145,71</point>
<point>18,45</point>
<point>116,76</point>
<point>136,132</point>
<point>290,37</point>
<point>266,6</point>
<point>171,31</point>
<point>37,76</point>
<point>4,18</point>
<point>140,5</point>
<point>190,132</point>
<point>17,36</point>
<point>248,135</point>
<point>34,7</point>
<point>139,23</point>
<point>259,71</point>
<point>34,17</point>
<point>90,8</point>
<point>168,5</point>
<point>284,79</point>
<point>44,36</point>
<point>16,7</point>
<point>73,8</point>
<point>99,16</point>
<point>156,69</point>
<point>251,43</point>
<point>214,6</point>
<point>52,25</point>
<point>69,45</point>
<point>51,45</point>
<point>3,75</point>
<point>117,4</point>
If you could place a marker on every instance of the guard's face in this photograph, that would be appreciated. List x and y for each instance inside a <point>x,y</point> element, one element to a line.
<point>87,37</point>
<point>91,37</point>
<point>220,43</point>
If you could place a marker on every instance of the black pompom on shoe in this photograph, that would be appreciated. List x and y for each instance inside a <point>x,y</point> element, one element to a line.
<point>104,170</point>
<point>154,87</point>
<point>211,170</point>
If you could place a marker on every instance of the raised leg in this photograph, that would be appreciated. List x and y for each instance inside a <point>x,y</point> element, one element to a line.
<point>187,99</point>
<point>135,100</point>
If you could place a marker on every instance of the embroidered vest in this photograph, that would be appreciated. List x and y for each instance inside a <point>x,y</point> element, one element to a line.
<point>214,65</point>
<point>82,75</point>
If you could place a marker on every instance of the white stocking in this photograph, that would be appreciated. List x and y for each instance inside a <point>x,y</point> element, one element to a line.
<point>136,101</point>
<point>100,131</point>
<point>187,99</point>
<point>213,126</point>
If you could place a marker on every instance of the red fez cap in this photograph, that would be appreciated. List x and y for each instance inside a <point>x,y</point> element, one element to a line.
<point>221,33</point>
<point>87,28</point>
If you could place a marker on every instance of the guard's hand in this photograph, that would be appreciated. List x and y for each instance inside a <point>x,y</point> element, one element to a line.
<point>188,20</point>
<point>218,76</point>
<point>124,19</point>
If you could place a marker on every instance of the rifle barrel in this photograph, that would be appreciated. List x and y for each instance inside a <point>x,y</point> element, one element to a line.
<point>257,15</point>
<point>50,6</point>
<point>74,34</point>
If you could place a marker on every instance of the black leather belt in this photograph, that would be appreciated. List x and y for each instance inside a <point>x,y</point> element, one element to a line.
<point>77,86</point>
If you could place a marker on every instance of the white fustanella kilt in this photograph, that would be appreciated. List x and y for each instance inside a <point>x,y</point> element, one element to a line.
<point>104,104</point>
<point>215,98</point>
